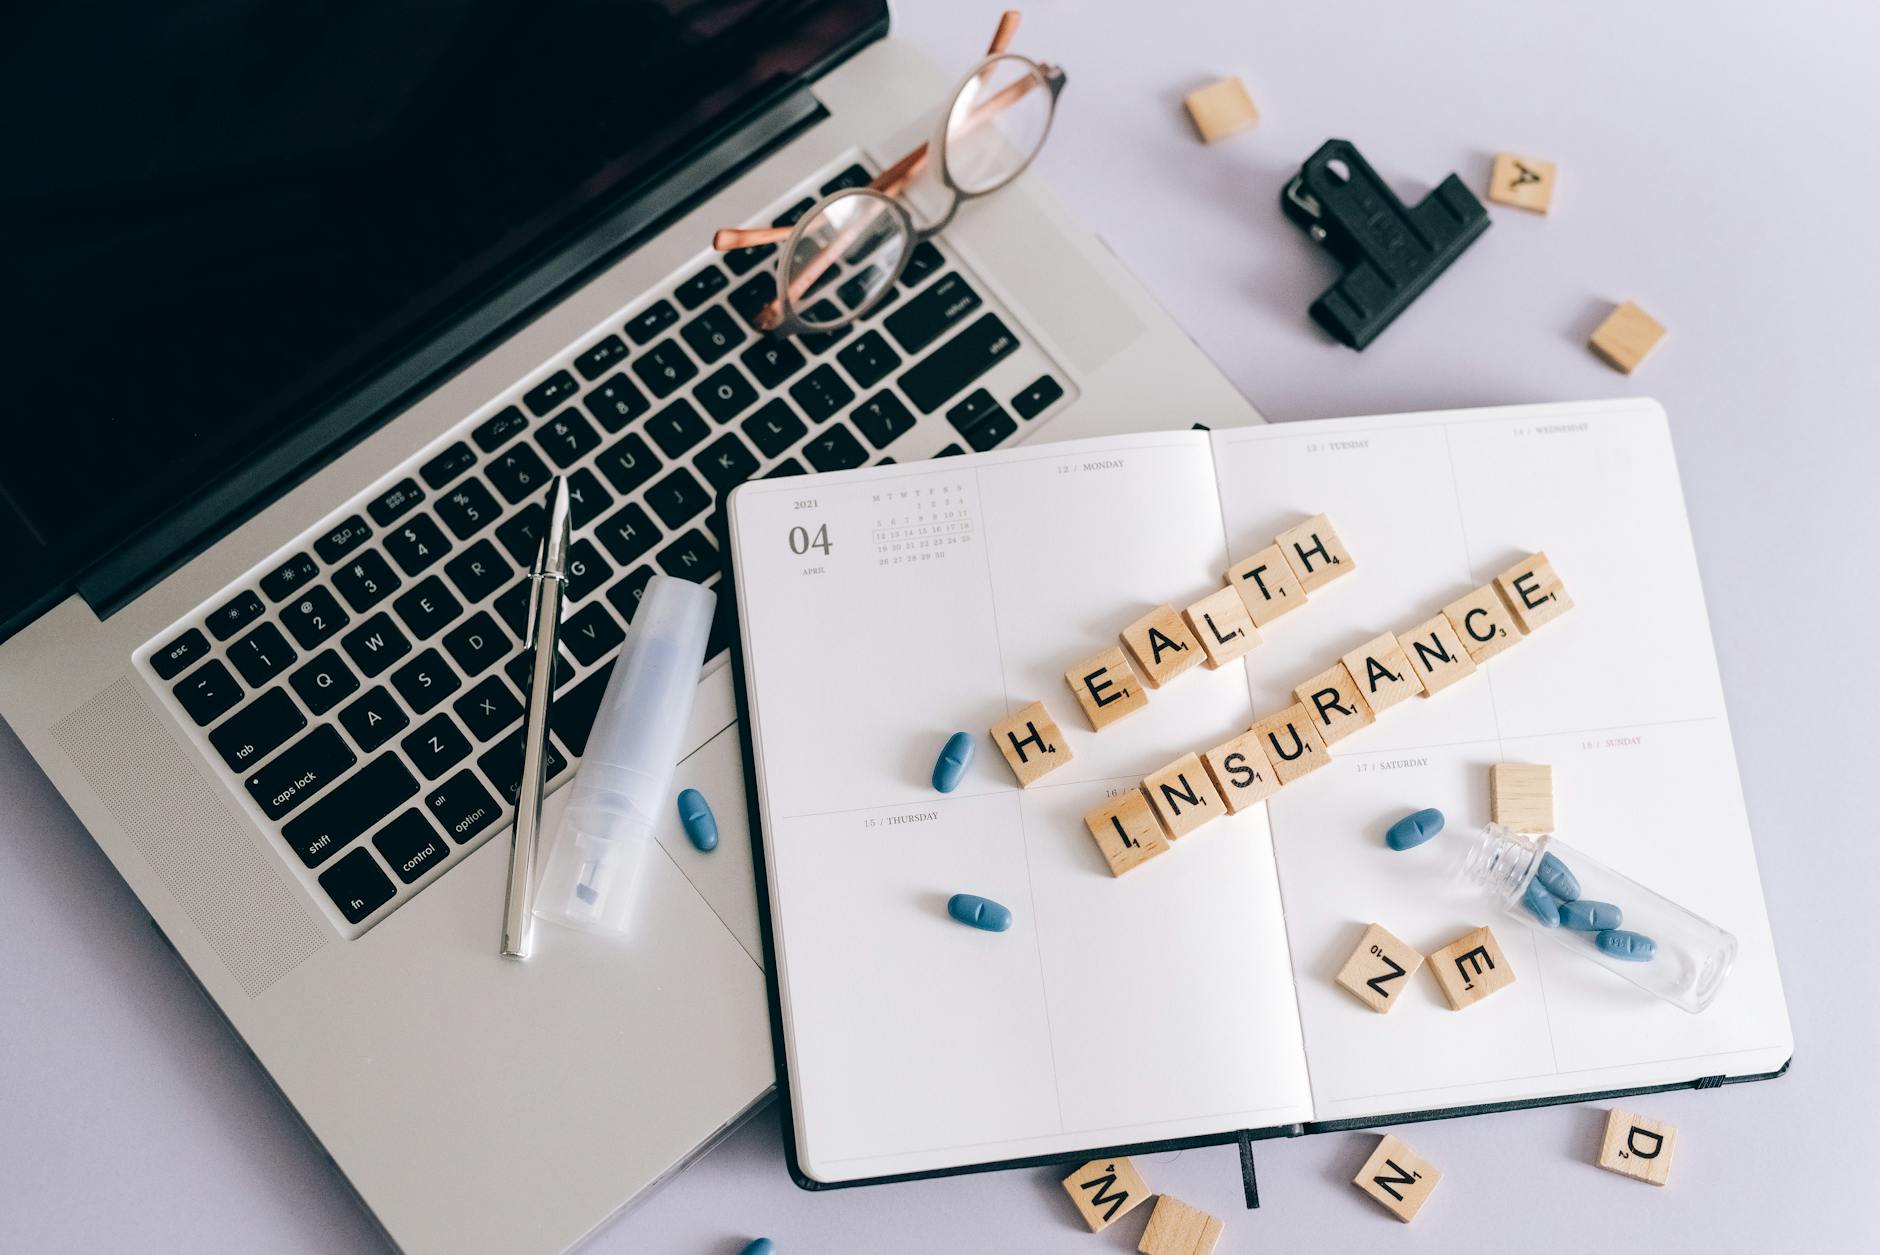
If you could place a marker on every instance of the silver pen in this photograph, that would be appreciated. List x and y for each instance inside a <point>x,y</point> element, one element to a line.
<point>549,581</point>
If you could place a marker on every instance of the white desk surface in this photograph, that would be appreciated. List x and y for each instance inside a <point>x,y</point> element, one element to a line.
<point>1717,164</point>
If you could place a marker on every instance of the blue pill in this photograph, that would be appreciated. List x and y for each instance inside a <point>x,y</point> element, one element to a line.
<point>1414,829</point>
<point>970,908</point>
<point>701,826</point>
<point>1557,878</point>
<point>1588,916</point>
<point>1620,944</point>
<point>954,758</point>
<point>763,1246</point>
<point>1541,904</point>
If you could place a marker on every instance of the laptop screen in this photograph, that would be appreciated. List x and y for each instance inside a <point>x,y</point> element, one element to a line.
<point>219,217</point>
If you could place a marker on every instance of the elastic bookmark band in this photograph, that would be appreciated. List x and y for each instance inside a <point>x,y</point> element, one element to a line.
<point>1249,1182</point>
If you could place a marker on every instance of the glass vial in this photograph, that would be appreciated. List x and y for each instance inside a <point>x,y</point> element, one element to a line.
<point>1602,915</point>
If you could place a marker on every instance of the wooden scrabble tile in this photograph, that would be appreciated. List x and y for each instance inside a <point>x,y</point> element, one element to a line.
<point>1315,553</point>
<point>1383,673</point>
<point>1533,592</point>
<point>1470,968</point>
<point>1484,622</point>
<point>1292,743</point>
<point>1637,1147</point>
<point>1398,1177</point>
<point>1162,646</point>
<point>1220,109</point>
<point>1175,1228</point>
<point>1240,771</point>
<point>1521,796</point>
<point>1032,743</point>
<point>1334,699</point>
<point>1379,969</point>
<point>1523,182</point>
<point>1106,687</point>
<point>1627,336</point>
<point>1266,585</point>
<point>1221,623</point>
<point>1184,796</point>
<point>1106,1190</point>
<point>1126,830</point>
<point>1436,654</point>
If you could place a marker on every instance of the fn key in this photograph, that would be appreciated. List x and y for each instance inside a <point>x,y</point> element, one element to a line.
<point>357,886</point>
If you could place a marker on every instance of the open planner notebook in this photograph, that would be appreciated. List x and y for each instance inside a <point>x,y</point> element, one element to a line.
<point>1192,999</point>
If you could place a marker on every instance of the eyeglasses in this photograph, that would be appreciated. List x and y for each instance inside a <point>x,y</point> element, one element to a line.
<point>994,124</point>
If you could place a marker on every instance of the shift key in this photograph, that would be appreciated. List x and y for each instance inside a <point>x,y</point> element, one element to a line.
<point>369,796</point>
<point>302,770</point>
<point>957,363</point>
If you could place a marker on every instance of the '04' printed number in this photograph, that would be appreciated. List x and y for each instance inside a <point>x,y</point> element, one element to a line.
<point>802,540</point>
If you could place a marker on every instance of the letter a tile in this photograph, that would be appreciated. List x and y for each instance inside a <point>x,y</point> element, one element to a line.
<point>1162,645</point>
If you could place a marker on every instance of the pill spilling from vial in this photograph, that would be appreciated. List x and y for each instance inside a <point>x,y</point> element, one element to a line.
<point>1414,829</point>
<point>1542,905</point>
<point>1629,946</point>
<point>763,1246</point>
<point>1559,880</point>
<point>977,912</point>
<point>1588,916</point>
<point>955,756</point>
<point>701,826</point>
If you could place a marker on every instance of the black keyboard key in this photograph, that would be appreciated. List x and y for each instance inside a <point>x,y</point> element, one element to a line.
<point>416,543</point>
<point>587,570</point>
<point>726,393</point>
<point>567,438</point>
<point>790,216</point>
<point>572,716</point>
<point>513,607</point>
<point>488,709</point>
<point>521,670</point>
<point>300,771</point>
<point>365,581</point>
<point>463,806</point>
<point>477,643</point>
<point>713,334</point>
<point>972,407</point>
<point>787,467</point>
<point>664,367</point>
<point>448,465</point>
<point>772,360</point>
<point>1037,398</point>
<point>854,176</point>
<point>369,795</point>
<point>374,719</point>
<point>427,608</point>
<point>587,500</point>
<point>869,360</point>
<point>752,296</point>
<point>435,746</point>
<point>775,427</point>
<point>981,420</point>
<point>192,646</point>
<point>261,655</point>
<point>517,473</point>
<point>676,498</point>
<point>551,392</point>
<point>396,502</point>
<point>235,614</point>
<point>883,418</point>
<point>590,634</point>
<point>932,314</point>
<point>411,845</point>
<point>691,557</point>
<point>357,886</point>
<point>862,285</point>
<point>425,681</point>
<point>496,431</point>
<point>616,403</point>
<point>324,681</point>
<point>468,508</point>
<point>675,429</point>
<point>823,313</point>
<point>726,462</point>
<point>951,451</point>
<point>502,764</point>
<point>652,320</point>
<point>285,579</point>
<point>957,363</point>
<point>376,644</point>
<point>835,450</point>
<point>343,539</point>
<point>595,361</point>
<point>207,692</point>
<point>743,260</point>
<point>478,571</point>
<point>314,616</point>
<point>257,730</point>
<point>701,287</point>
<point>921,264</point>
<point>626,593</point>
<point>521,533</point>
<point>627,462</point>
<point>821,393</point>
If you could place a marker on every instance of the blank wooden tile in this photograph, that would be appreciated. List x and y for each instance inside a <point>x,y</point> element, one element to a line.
<point>1398,1177</point>
<point>1521,796</point>
<point>1533,592</point>
<point>1240,771</point>
<point>1627,336</point>
<point>1523,182</point>
<point>1162,646</point>
<point>1106,687</point>
<point>1315,553</point>
<point>1292,743</point>
<point>1379,969</point>
<point>1032,743</point>
<point>1126,830</point>
<point>1637,1147</point>
<point>1220,109</point>
<point>1335,701</point>
<point>1175,1228</point>
<point>1183,796</point>
<point>1383,673</point>
<point>1436,654</point>
<point>1221,623</point>
<point>1106,1190</point>
<point>1470,968</point>
<point>1267,585</point>
<point>1484,622</point>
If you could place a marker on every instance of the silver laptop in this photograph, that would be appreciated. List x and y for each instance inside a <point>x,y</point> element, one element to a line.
<point>311,314</point>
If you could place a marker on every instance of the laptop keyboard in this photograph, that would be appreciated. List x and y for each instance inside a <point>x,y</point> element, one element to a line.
<point>363,690</point>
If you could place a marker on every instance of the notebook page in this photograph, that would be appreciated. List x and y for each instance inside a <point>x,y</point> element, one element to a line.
<point>1621,695</point>
<point>1158,1005</point>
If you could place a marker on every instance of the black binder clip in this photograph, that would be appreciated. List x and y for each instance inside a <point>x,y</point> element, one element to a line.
<point>1390,252</point>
